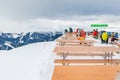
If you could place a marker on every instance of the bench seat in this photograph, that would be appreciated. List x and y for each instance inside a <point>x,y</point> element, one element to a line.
<point>117,61</point>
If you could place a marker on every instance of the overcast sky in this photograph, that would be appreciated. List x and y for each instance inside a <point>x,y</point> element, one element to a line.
<point>24,11</point>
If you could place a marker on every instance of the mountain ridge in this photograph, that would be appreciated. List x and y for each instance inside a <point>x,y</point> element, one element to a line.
<point>10,41</point>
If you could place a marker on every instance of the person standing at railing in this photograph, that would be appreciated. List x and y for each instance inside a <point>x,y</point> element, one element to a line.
<point>114,40</point>
<point>83,34</point>
<point>65,31</point>
<point>70,30</point>
<point>95,33</point>
<point>104,37</point>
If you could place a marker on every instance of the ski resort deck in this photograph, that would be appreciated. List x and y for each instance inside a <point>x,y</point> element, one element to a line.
<point>77,68</point>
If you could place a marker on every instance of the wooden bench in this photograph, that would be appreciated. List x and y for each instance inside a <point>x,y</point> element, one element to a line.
<point>69,61</point>
<point>103,55</point>
<point>81,49</point>
<point>99,72</point>
<point>82,54</point>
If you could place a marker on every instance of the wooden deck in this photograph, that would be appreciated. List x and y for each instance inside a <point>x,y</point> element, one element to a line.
<point>85,72</point>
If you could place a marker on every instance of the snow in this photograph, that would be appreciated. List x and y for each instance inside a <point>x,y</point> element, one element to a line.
<point>30,62</point>
<point>8,44</point>
<point>34,61</point>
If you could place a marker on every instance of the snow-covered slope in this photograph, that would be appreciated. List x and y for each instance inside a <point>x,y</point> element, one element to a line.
<point>30,62</point>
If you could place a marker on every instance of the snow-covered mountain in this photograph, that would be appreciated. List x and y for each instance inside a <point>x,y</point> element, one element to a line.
<point>9,41</point>
<point>30,62</point>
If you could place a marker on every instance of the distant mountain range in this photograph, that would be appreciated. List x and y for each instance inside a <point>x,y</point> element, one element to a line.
<point>10,41</point>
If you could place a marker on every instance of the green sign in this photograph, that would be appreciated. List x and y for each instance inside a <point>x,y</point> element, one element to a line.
<point>99,25</point>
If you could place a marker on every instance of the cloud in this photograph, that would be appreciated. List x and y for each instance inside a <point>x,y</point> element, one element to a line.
<point>55,9</point>
<point>45,24</point>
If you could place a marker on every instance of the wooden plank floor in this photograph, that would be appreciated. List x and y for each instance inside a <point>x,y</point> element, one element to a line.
<point>85,72</point>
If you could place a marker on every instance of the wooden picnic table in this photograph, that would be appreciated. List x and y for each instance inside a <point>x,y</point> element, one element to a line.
<point>72,42</point>
<point>98,72</point>
<point>65,51</point>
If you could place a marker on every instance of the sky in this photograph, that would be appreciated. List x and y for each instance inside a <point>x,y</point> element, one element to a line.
<point>39,15</point>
